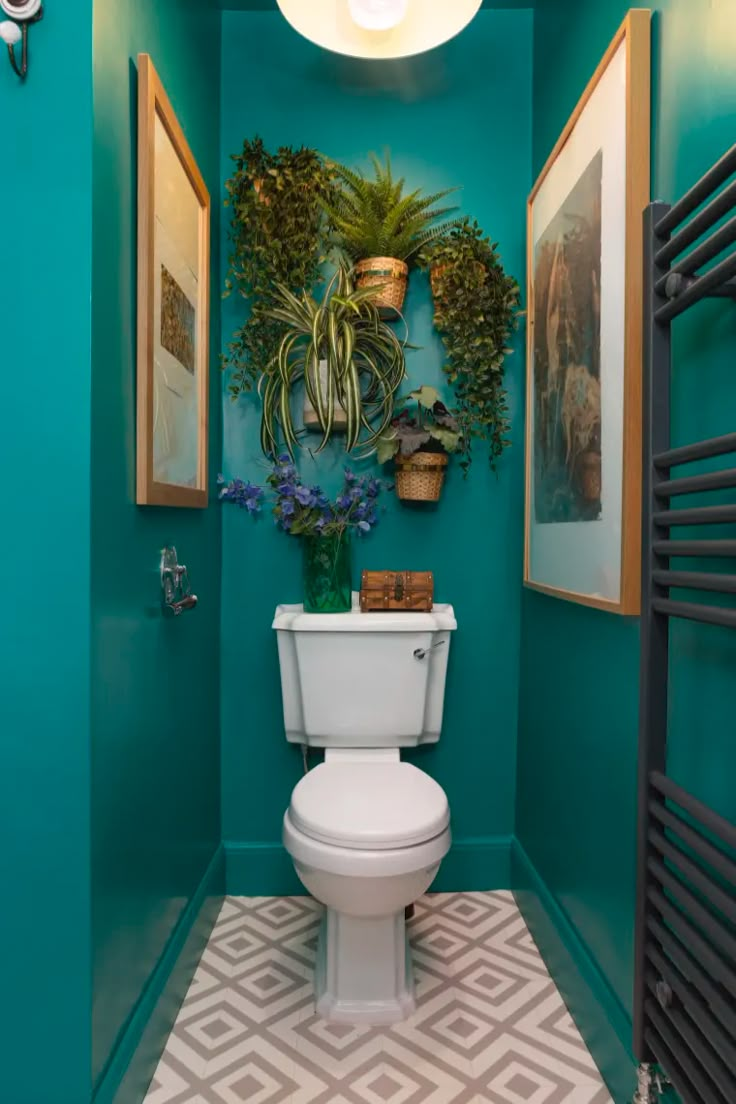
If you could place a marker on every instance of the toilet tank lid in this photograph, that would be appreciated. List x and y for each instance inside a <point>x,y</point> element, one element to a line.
<point>294,619</point>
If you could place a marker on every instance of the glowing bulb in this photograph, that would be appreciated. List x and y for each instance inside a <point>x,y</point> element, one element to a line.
<point>10,33</point>
<point>378,15</point>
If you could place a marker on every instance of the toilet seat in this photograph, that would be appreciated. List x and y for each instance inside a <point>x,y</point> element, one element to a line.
<point>349,862</point>
<point>368,806</point>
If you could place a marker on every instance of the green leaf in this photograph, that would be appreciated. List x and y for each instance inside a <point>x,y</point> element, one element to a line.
<point>425,396</point>
<point>448,438</point>
<point>386,448</point>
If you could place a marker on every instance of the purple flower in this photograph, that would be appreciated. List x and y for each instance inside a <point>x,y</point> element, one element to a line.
<point>305,496</point>
<point>245,495</point>
<point>303,510</point>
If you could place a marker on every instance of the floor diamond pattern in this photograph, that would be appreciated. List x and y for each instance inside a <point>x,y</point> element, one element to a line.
<point>489,1028</point>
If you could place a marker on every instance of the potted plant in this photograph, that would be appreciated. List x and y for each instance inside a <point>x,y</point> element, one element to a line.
<point>351,363</point>
<point>420,444</point>
<point>476,309</point>
<point>324,527</point>
<point>381,229</point>
<point>277,235</point>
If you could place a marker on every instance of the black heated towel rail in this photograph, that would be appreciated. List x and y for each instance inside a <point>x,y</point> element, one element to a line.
<point>685,978</point>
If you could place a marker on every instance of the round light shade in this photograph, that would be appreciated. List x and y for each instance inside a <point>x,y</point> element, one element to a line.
<point>379,28</point>
<point>377,15</point>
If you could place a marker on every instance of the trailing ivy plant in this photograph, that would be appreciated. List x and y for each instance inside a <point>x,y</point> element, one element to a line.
<point>476,309</point>
<point>277,236</point>
<point>374,218</point>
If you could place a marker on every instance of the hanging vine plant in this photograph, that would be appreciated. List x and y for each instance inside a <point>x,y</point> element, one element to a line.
<point>277,236</point>
<point>476,309</point>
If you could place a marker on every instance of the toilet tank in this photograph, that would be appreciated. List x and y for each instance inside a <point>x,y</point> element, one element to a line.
<point>363,679</point>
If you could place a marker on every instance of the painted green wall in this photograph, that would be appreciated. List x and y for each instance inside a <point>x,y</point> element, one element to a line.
<point>579,667</point>
<point>45,282</point>
<point>459,116</point>
<point>155,682</point>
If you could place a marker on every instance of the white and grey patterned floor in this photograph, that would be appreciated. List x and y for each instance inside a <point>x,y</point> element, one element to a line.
<point>490,1026</point>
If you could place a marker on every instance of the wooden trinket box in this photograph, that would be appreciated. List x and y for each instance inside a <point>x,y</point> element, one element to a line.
<point>411,591</point>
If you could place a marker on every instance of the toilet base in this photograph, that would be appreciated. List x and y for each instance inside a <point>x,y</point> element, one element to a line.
<point>363,973</point>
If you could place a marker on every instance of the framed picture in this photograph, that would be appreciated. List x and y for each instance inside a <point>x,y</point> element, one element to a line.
<point>173,306</point>
<point>585,275</point>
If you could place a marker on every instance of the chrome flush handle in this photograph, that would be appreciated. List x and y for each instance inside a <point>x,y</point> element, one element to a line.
<point>422,653</point>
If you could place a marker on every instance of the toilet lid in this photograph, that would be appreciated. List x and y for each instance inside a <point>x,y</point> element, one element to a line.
<point>371,806</point>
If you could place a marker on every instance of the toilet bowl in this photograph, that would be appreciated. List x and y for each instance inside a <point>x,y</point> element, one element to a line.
<point>367,834</point>
<point>366,831</point>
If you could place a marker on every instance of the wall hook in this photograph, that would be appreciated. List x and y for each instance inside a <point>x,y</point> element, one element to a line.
<point>176,594</point>
<point>15,30</point>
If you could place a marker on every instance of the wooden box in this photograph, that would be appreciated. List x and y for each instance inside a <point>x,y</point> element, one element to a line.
<point>412,591</point>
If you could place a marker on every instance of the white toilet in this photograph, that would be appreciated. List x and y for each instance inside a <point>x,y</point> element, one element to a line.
<point>367,833</point>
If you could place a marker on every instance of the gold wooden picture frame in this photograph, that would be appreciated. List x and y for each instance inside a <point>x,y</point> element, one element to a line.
<point>173,306</point>
<point>584,338</point>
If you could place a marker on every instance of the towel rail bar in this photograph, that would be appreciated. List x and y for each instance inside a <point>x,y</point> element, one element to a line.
<point>685,923</point>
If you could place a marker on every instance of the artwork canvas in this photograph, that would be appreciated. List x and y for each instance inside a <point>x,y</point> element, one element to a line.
<point>174,214</point>
<point>585,266</point>
<point>567,360</point>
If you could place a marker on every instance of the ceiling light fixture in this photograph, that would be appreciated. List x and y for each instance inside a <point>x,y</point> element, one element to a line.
<point>377,15</point>
<point>379,28</point>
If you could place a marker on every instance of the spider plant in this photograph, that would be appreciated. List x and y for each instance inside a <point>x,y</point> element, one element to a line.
<point>373,218</point>
<point>364,365</point>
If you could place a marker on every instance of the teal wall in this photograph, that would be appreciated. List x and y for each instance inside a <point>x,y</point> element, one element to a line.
<point>45,282</point>
<point>458,116</point>
<point>579,667</point>
<point>155,682</point>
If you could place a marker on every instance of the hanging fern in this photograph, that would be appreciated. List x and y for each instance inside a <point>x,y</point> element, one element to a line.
<point>373,218</point>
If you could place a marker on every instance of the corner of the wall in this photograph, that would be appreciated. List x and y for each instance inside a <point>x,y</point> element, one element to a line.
<point>129,1072</point>
<point>602,1021</point>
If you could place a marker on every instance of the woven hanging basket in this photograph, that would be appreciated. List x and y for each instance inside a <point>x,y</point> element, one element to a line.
<point>436,273</point>
<point>390,272</point>
<point>419,478</point>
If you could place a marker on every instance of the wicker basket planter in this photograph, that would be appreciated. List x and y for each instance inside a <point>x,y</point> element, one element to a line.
<point>419,477</point>
<point>390,272</point>
<point>436,273</point>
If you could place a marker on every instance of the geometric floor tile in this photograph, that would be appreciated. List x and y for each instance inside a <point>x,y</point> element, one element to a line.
<point>489,1027</point>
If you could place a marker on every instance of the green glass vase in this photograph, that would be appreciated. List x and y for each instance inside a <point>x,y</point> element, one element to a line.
<point>327,574</point>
